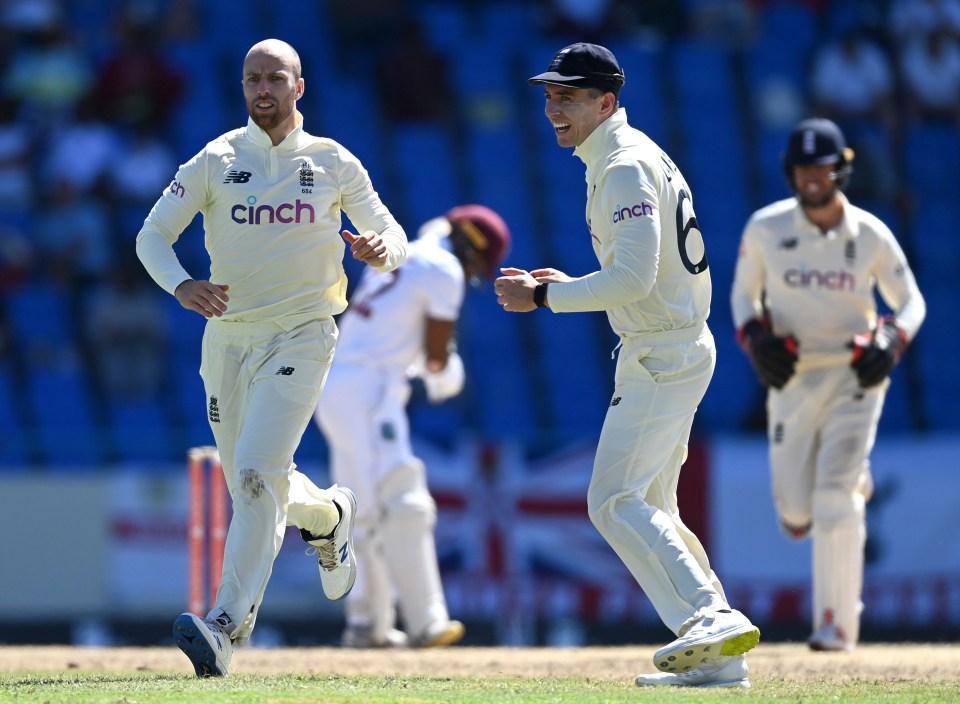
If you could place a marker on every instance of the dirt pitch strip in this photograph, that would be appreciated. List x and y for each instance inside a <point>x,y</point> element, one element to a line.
<point>783,661</point>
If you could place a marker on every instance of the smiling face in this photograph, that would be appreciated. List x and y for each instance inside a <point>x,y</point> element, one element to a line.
<point>271,87</point>
<point>576,112</point>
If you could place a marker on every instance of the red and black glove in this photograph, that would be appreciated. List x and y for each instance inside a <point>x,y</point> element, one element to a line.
<point>876,354</point>
<point>774,358</point>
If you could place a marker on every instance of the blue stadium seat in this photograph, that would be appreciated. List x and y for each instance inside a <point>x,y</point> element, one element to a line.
<point>643,95</point>
<point>932,154</point>
<point>40,318</point>
<point>576,354</point>
<point>141,432</point>
<point>422,155</point>
<point>936,261</point>
<point>14,439</point>
<point>203,95</point>
<point>445,25</point>
<point>507,24</point>
<point>66,429</point>
<point>788,32</point>
<point>498,386</point>
<point>348,115</point>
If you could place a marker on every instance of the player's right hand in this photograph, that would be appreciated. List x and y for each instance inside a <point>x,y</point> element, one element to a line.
<point>207,299</point>
<point>774,358</point>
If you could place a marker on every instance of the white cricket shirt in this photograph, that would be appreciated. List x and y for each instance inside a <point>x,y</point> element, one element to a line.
<point>653,268</point>
<point>272,222</point>
<point>820,286</point>
<point>385,324</point>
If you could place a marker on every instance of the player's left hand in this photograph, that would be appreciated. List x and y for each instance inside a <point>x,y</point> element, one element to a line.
<point>876,354</point>
<point>550,276</point>
<point>515,290</point>
<point>367,247</point>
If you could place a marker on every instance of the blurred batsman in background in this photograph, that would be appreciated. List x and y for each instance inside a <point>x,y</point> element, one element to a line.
<point>271,197</point>
<point>805,308</point>
<point>402,324</point>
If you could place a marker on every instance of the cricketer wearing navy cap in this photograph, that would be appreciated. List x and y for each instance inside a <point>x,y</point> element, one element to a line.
<point>653,282</point>
<point>584,65</point>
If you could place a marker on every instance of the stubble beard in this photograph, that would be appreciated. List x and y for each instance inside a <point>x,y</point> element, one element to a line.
<point>821,201</point>
<point>267,121</point>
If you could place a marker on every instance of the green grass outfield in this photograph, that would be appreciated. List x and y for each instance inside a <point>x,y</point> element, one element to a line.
<point>779,673</point>
<point>89,687</point>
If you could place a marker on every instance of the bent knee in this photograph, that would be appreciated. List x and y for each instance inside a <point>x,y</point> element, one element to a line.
<point>837,507</point>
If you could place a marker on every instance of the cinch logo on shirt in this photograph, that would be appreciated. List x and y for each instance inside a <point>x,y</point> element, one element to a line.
<point>814,278</point>
<point>253,214</point>
<point>632,211</point>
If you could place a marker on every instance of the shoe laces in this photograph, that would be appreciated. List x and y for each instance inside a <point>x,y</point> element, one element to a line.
<point>326,555</point>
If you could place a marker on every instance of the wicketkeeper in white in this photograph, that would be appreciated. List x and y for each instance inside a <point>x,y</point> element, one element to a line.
<point>271,197</point>
<point>401,324</point>
<point>804,304</point>
<point>654,285</point>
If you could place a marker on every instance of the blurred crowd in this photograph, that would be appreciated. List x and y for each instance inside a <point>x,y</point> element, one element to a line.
<point>86,110</point>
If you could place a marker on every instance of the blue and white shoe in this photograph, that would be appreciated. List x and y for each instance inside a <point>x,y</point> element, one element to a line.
<point>337,561</point>
<point>205,643</point>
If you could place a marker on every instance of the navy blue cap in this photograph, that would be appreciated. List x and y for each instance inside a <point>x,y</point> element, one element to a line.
<point>584,65</point>
<point>815,141</point>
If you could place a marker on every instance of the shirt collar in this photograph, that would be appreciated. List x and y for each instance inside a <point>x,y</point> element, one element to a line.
<point>260,137</point>
<point>595,145</point>
<point>847,227</point>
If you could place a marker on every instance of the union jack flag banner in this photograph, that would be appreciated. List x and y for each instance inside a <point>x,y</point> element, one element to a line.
<point>516,545</point>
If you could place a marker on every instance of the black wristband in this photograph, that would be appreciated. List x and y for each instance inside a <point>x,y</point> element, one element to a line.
<point>540,295</point>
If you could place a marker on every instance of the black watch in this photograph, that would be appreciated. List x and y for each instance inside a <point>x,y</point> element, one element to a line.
<point>540,295</point>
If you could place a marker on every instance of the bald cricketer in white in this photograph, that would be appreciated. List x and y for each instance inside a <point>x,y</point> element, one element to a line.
<point>271,196</point>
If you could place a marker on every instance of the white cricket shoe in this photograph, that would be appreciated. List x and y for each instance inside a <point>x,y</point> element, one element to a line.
<point>715,672</point>
<point>829,639</point>
<point>722,633</point>
<point>439,634</point>
<point>205,643</point>
<point>338,563</point>
<point>362,637</point>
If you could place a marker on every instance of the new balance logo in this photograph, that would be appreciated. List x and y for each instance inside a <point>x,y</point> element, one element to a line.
<point>616,401</point>
<point>237,177</point>
<point>344,551</point>
<point>790,243</point>
<point>285,371</point>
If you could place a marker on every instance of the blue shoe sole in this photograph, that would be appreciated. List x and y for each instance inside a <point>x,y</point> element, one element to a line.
<point>194,645</point>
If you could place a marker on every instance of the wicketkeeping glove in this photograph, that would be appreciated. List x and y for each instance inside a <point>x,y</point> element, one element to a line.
<point>875,354</point>
<point>774,358</point>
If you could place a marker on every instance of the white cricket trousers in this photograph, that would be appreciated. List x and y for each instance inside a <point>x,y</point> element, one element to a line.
<point>262,383</point>
<point>363,417</point>
<point>821,429</point>
<point>659,382</point>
